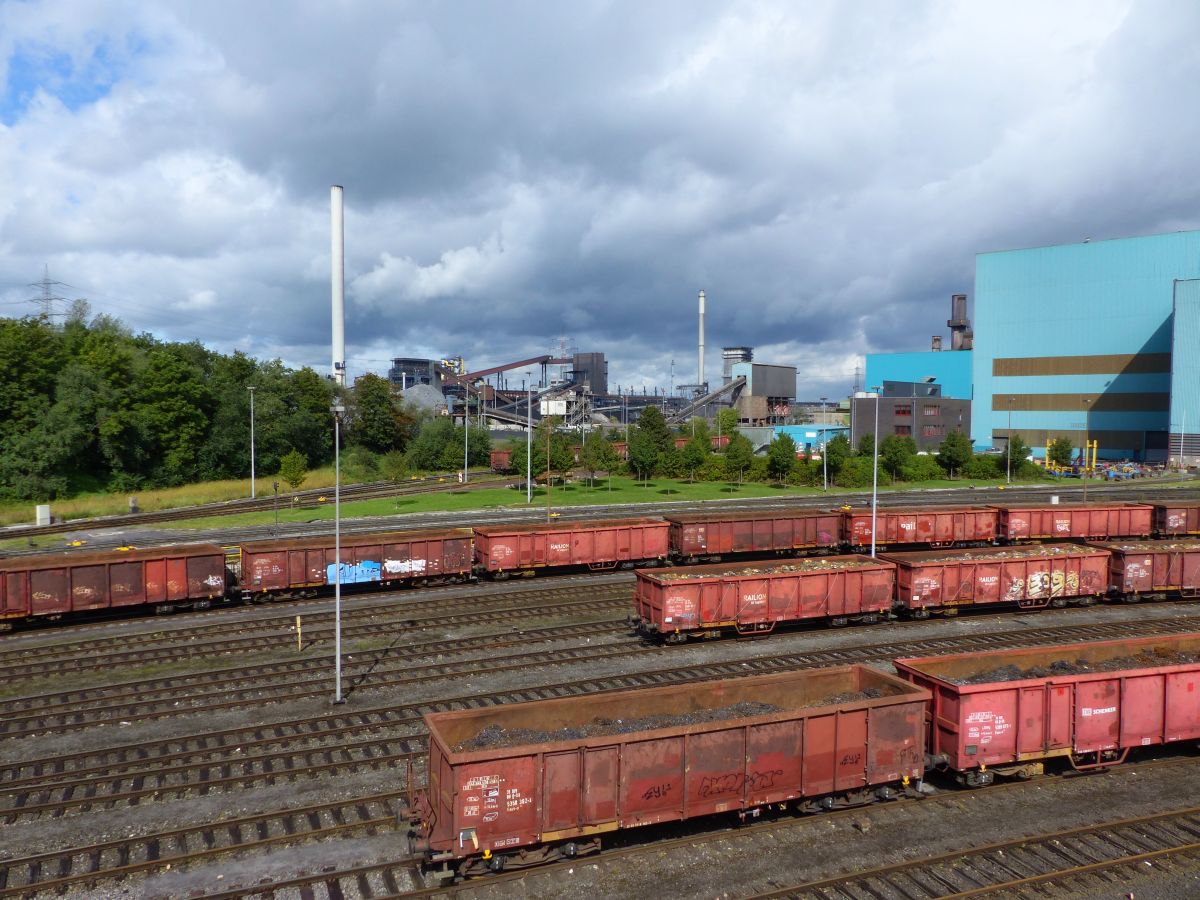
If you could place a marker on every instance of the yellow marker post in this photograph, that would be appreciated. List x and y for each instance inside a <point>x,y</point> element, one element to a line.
<point>299,636</point>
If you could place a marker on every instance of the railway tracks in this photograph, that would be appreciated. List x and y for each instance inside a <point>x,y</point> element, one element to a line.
<point>311,747</point>
<point>1073,859</point>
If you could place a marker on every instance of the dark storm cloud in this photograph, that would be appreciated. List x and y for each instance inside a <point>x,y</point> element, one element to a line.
<point>519,172</point>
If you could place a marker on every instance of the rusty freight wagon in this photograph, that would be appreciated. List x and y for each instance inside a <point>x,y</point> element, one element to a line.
<point>1007,711</point>
<point>1173,518</point>
<point>1060,522</point>
<point>752,598</point>
<point>502,550</point>
<point>51,586</point>
<point>934,526</point>
<point>1153,570</point>
<point>518,784</point>
<point>709,536</point>
<point>1030,577</point>
<point>302,566</point>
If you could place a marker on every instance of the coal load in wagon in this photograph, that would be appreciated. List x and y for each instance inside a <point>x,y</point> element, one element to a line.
<point>1147,659</point>
<point>743,570</point>
<point>496,736</point>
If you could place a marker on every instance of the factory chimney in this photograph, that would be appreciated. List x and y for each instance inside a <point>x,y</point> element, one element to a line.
<point>700,372</point>
<point>338,255</point>
<point>961,336</point>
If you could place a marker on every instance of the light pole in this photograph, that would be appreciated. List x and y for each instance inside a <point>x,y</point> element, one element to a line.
<point>1008,446</point>
<point>337,409</point>
<point>466,429</point>
<point>251,390</point>
<point>824,441</point>
<point>549,430</point>
<point>875,472</point>
<point>529,440</point>
<point>275,488</point>
<point>1086,449</point>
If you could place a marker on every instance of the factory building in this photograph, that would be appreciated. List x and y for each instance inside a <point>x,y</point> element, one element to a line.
<point>909,409</point>
<point>1091,341</point>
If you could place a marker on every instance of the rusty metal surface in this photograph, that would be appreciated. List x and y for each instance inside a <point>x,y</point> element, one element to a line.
<point>984,554</point>
<point>1171,517</point>
<point>921,525</point>
<point>368,539</point>
<point>559,527</point>
<point>99,557</point>
<point>596,544</point>
<point>833,729</point>
<point>723,532</point>
<point>1154,567</point>
<point>1078,700</point>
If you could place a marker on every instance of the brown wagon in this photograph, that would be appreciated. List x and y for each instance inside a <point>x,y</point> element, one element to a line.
<point>711,535</point>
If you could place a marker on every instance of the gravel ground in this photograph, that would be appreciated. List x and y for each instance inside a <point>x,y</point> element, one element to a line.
<point>729,868</point>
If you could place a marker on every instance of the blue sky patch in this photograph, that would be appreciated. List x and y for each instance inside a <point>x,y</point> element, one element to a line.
<point>76,83</point>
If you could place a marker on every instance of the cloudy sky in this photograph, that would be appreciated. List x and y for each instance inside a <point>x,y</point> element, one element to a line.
<point>517,172</point>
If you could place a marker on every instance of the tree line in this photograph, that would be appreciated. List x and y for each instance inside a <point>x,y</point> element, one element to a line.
<point>87,405</point>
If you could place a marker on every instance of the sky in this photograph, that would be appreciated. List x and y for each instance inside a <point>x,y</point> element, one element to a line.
<point>516,173</point>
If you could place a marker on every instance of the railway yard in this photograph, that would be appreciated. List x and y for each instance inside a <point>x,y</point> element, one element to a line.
<point>201,756</point>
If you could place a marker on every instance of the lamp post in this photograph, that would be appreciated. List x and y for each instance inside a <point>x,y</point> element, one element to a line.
<point>337,409</point>
<point>549,431</point>
<point>466,429</point>
<point>1008,446</point>
<point>875,473</point>
<point>275,488</point>
<point>824,441</point>
<point>529,440</point>
<point>1086,449</point>
<point>251,390</point>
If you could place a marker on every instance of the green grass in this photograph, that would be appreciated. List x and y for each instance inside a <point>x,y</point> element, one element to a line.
<point>623,491</point>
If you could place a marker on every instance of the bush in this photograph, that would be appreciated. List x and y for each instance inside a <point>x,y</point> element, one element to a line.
<point>393,466</point>
<point>360,464</point>
<point>713,469</point>
<point>760,469</point>
<point>983,466</point>
<point>922,468</point>
<point>856,472</point>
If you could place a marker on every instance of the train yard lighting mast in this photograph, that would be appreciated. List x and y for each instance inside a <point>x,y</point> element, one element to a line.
<point>824,443</point>
<point>1087,449</point>
<point>251,390</point>
<point>337,409</point>
<point>466,430</point>
<point>875,472</point>
<point>1008,446</point>
<point>529,440</point>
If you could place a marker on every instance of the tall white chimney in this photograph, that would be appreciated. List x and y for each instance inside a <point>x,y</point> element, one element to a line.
<point>700,372</point>
<point>338,255</point>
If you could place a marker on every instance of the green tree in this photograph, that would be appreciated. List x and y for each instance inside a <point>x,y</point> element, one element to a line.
<point>727,422</point>
<point>597,455</point>
<point>376,423</point>
<point>1014,454</point>
<point>856,472</point>
<point>652,424</point>
<point>739,455</point>
<point>896,452</point>
<point>643,454</point>
<point>1060,450</point>
<point>393,466</point>
<point>837,451</point>
<point>781,457</point>
<point>695,452</point>
<point>984,466</point>
<point>955,452</point>
<point>922,468</point>
<point>435,435</point>
<point>293,469</point>
<point>866,445</point>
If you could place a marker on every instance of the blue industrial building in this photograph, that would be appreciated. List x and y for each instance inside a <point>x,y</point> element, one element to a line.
<point>949,368</point>
<point>1098,340</point>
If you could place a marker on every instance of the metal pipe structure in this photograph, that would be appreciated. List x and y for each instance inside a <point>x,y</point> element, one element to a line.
<point>875,473</point>
<point>337,409</point>
<point>824,443</point>
<point>338,255</point>
<point>252,491</point>
<point>700,369</point>
<point>529,441</point>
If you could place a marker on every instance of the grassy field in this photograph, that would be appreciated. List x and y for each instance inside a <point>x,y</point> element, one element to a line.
<point>617,490</point>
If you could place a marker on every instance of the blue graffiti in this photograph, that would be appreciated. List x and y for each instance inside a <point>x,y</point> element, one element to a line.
<point>354,573</point>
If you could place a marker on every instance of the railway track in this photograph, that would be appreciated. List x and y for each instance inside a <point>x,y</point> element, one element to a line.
<point>1062,862</point>
<point>224,638</point>
<point>314,746</point>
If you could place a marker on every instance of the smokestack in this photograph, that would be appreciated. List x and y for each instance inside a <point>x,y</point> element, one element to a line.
<point>700,373</point>
<point>338,246</point>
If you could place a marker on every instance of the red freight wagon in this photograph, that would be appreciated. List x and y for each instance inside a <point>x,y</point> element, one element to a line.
<point>1075,520</point>
<point>814,736</point>
<point>304,564</point>
<point>754,597</point>
<point>1153,569</point>
<point>1031,577</point>
<point>165,577</point>
<point>715,533</point>
<point>500,460</point>
<point>1172,518</point>
<point>503,549</point>
<point>939,527</point>
<point>1089,703</point>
